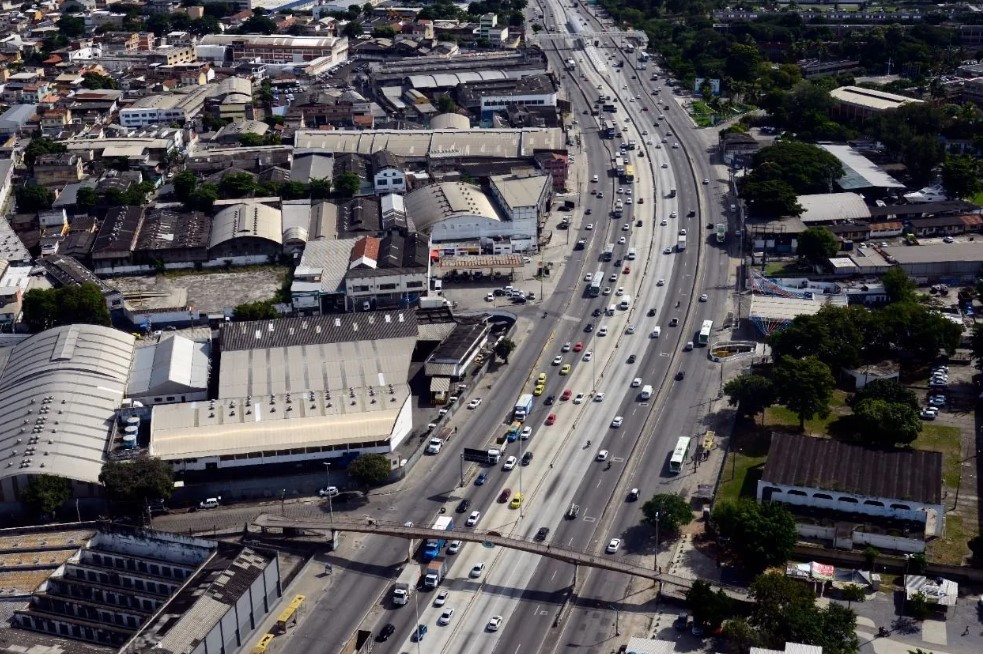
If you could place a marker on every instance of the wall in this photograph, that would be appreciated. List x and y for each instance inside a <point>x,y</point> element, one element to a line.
<point>860,539</point>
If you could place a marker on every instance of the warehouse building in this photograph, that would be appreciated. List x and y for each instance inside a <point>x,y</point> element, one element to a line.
<point>949,263</point>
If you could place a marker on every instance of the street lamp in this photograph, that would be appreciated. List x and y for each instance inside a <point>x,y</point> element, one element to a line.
<point>656,563</point>
<point>327,465</point>
<point>904,584</point>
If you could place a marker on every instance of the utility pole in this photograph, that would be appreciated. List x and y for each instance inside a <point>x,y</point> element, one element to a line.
<point>327,465</point>
<point>462,469</point>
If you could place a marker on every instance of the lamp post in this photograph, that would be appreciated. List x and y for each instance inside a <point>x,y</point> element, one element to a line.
<point>283,500</point>
<point>904,584</point>
<point>327,466</point>
<point>656,563</point>
<point>462,469</point>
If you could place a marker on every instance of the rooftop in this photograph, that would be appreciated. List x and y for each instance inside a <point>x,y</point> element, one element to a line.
<point>431,204</point>
<point>831,207</point>
<point>859,171</point>
<point>288,332</point>
<point>164,229</point>
<point>520,190</point>
<point>936,252</point>
<point>826,464</point>
<point>869,98</point>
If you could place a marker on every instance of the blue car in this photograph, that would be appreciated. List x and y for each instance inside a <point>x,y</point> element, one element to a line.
<point>421,631</point>
<point>480,481</point>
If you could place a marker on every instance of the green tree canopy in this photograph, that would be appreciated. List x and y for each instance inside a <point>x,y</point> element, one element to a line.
<point>41,145</point>
<point>805,167</point>
<point>817,245</point>
<point>185,183</point>
<point>32,198</point>
<point>260,310</point>
<point>805,386</point>
<point>898,285</point>
<point>885,423</point>
<point>504,349</point>
<point>71,26</point>
<point>131,485</point>
<point>203,197</point>
<point>320,188</point>
<point>92,80</point>
<point>961,176</point>
<point>68,305</point>
<point>44,494</point>
<point>250,140</point>
<point>709,608</point>
<point>669,511</point>
<point>236,185</point>
<point>770,198</point>
<point>835,335</point>
<point>347,184</point>
<point>86,198</point>
<point>889,390</point>
<point>758,535</point>
<point>751,394</point>
<point>370,469</point>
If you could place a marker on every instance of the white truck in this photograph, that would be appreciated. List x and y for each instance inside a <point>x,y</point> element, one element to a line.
<point>401,594</point>
<point>681,243</point>
<point>646,393</point>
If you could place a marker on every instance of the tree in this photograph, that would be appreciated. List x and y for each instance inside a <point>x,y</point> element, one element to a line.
<point>347,184</point>
<point>320,188</point>
<point>203,198</point>
<point>131,485</point>
<point>370,469</point>
<point>71,26</point>
<point>44,494</point>
<point>251,140</point>
<point>805,386</point>
<point>770,198</point>
<point>817,245</point>
<point>91,80</point>
<point>751,394</point>
<point>258,24</point>
<point>185,183</point>
<point>885,424</point>
<point>805,167</point>
<point>759,535</point>
<point>384,32</point>
<point>961,176</point>
<point>709,608</point>
<point>237,185</point>
<point>41,145</point>
<point>446,104</point>
<point>673,513</point>
<point>294,190</point>
<point>68,305</point>
<point>32,198</point>
<point>834,335</point>
<point>504,348</point>
<point>870,556</point>
<point>889,390</point>
<point>86,198</point>
<point>260,310</point>
<point>898,286</point>
<point>853,593</point>
<point>740,635</point>
<point>352,29</point>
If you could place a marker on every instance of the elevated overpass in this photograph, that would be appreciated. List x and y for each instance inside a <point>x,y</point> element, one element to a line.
<point>278,524</point>
<point>569,38</point>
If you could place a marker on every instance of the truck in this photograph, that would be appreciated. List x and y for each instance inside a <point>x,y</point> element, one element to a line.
<point>512,433</point>
<point>681,244</point>
<point>436,570</point>
<point>646,392</point>
<point>489,455</point>
<point>401,594</point>
<point>631,144</point>
<point>570,64</point>
<point>672,192</point>
<point>608,252</point>
<point>433,546</point>
<point>523,407</point>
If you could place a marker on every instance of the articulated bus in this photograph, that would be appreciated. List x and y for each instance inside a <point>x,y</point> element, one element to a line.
<point>680,454</point>
<point>705,332</point>
<point>595,284</point>
<point>629,175</point>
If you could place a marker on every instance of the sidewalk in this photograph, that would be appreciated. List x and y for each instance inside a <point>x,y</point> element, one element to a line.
<point>309,582</point>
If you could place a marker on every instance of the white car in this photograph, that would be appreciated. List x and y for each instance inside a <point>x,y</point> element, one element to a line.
<point>617,421</point>
<point>509,463</point>
<point>329,491</point>
<point>606,290</point>
<point>588,277</point>
<point>494,623</point>
<point>625,227</point>
<point>557,360</point>
<point>445,617</point>
<point>704,298</point>
<point>620,190</point>
<point>588,355</point>
<point>667,251</point>
<point>475,403</point>
<point>454,547</point>
<point>620,291</point>
<point>663,222</point>
<point>434,446</point>
<point>441,598</point>
<point>661,282</point>
<point>603,331</point>
<point>602,455</point>
<point>578,398</point>
<point>706,180</point>
<point>589,227</point>
<point>636,382</point>
<point>598,397</point>
<point>673,214</point>
<point>566,347</point>
<point>630,330</point>
<point>473,518</point>
<point>682,232</point>
<point>622,240</point>
<point>477,570</point>
<point>613,546</point>
<point>628,200</point>
<point>525,433</point>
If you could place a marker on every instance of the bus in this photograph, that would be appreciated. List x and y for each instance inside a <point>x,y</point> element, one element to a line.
<point>609,107</point>
<point>619,166</point>
<point>607,129</point>
<point>595,284</point>
<point>629,175</point>
<point>721,232</point>
<point>680,454</point>
<point>705,332</point>
<point>607,253</point>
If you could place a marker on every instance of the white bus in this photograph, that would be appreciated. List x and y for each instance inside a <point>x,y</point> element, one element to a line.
<point>705,332</point>
<point>680,454</point>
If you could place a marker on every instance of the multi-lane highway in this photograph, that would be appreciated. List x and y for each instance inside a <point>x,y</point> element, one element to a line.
<point>526,591</point>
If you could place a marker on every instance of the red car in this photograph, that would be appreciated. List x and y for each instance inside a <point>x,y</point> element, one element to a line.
<point>505,495</point>
<point>578,346</point>
<point>566,395</point>
<point>550,419</point>
<point>626,270</point>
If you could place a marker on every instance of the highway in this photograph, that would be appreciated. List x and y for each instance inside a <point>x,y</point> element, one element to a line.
<point>525,590</point>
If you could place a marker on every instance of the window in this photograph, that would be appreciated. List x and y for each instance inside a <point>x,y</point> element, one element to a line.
<point>873,503</point>
<point>850,500</point>
<point>387,287</point>
<point>797,492</point>
<point>822,496</point>
<point>901,507</point>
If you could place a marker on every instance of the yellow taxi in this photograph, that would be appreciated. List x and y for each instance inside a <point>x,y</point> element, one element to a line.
<point>539,389</point>
<point>516,501</point>
<point>541,379</point>
<point>565,370</point>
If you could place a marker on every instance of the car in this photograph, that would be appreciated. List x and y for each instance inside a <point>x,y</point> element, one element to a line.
<point>603,331</point>
<point>386,632</point>
<point>489,298</point>
<point>928,415</point>
<point>526,458</point>
<point>661,282</point>
<point>632,495</point>
<point>667,251</point>
<point>622,240</point>
<point>542,534</point>
<point>509,463</point>
<point>630,329</point>
<point>688,346</point>
<point>620,291</point>
<point>329,491</point>
<point>445,617</point>
<point>421,631</point>
<point>682,232</point>
<point>463,506</point>
<point>494,623</point>
<point>673,322</point>
<point>675,146</point>
<point>588,355</point>
<point>538,390</point>
<point>566,347</point>
<point>475,403</point>
<point>550,399</point>
<point>480,479</point>
<point>598,397</point>
<point>663,222</point>
<point>704,297</point>
<point>525,433</point>
<point>541,378</point>
<point>665,165</point>
<point>706,180</point>
<point>550,419</point>
<point>588,211</point>
<point>628,200</point>
<point>566,395</point>
<point>613,546</point>
<point>454,547</point>
<point>473,518</point>
<point>680,375</point>
<point>617,422</point>
<point>620,190</point>
<point>651,312</point>
<point>665,140</point>
<point>504,496</point>
<point>613,277</point>
<point>626,270</point>
<point>579,345</point>
<point>632,358</point>
<point>606,290</point>
<point>589,227</point>
<point>477,570</point>
<point>673,214</point>
<point>636,382</point>
<point>588,328</point>
<point>626,227</point>
<point>602,455</point>
<point>516,501</point>
<point>581,244</point>
<point>936,400</point>
<point>557,360</point>
<point>691,213</point>
<point>600,195</point>
<point>565,370</point>
<point>441,598</point>
<point>578,398</point>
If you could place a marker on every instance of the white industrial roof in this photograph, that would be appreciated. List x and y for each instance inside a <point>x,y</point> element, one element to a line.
<point>520,191</point>
<point>788,308</point>
<point>831,207</point>
<point>491,143</point>
<point>870,98</point>
<point>859,171</point>
<point>244,220</point>
<point>431,204</point>
<point>174,365</point>
<point>450,121</point>
<point>59,391</point>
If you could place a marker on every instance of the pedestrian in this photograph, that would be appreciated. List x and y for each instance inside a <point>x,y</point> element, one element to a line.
<point>966,631</point>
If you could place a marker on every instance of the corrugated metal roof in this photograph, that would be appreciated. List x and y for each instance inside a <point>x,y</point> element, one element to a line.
<point>287,332</point>
<point>247,219</point>
<point>173,364</point>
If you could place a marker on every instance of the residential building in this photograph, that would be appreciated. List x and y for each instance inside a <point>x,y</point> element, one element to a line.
<point>388,175</point>
<point>276,49</point>
<point>165,109</point>
<point>58,169</point>
<point>18,120</point>
<point>485,97</point>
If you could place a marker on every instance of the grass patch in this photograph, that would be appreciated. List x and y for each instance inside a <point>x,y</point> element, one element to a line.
<point>977,199</point>
<point>702,114</point>
<point>779,416</point>
<point>946,440</point>
<point>953,548</point>
<point>745,463</point>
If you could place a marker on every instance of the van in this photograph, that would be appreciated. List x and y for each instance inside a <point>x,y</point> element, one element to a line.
<point>210,503</point>
<point>646,393</point>
<point>657,332</point>
<point>610,310</point>
<point>631,254</point>
<point>625,303</point>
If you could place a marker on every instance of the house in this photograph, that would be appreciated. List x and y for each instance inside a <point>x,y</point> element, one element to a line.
<point>388,173</point>
<point>58,169</point>
<point>17,119</point>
